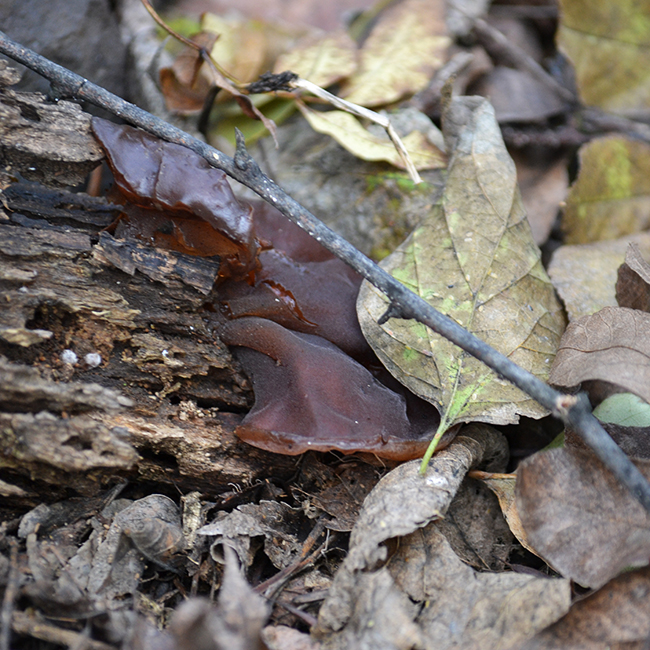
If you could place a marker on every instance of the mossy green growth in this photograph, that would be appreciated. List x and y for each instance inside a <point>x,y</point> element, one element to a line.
<point>402,179</point>
<point>180,24</point>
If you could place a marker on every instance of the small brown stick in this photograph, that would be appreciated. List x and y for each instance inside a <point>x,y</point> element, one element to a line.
<point>500,48</point>
<point>22,623</point>
<point>428,100</point>
<point>271,586</point>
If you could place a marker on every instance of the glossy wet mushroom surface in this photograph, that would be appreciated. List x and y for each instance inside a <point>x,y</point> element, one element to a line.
<point>284,304</point>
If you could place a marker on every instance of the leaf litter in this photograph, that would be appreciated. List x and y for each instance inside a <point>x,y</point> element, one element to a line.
<point>418,562</point>
<point>399,557</point>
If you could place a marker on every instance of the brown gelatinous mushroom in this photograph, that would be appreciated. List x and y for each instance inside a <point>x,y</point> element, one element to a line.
<point>179,185</point>
<point>285,236</point>
<point>300,285</point>
<point>311,297</point>
<point>309,395</point>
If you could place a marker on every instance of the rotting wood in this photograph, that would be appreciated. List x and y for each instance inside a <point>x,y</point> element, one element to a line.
<point>43,141</point>
<point>162,404</point>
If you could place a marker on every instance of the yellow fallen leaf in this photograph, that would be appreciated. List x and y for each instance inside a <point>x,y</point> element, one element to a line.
<point>406,46</point>
<point>351,135</point>
<point>608,42</point>
<point>323,60</point>
<point>611,196</point>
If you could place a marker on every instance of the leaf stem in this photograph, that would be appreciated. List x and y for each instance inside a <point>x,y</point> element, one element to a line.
<point>575,411</point>
<point>433,445</point>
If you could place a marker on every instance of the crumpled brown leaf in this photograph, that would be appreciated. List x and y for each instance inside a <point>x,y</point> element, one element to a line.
<point>612,345</point>
<point>467,609</point>
<point>579,518</point>
<point>270,520</point>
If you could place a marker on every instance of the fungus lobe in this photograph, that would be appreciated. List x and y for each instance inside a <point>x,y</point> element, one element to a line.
<point>309,395</point>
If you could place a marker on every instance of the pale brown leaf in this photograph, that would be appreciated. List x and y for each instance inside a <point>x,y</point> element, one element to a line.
<point>612,345</point>
<point>579,518</point>
<point>585,275</point>
<point>613,617</point>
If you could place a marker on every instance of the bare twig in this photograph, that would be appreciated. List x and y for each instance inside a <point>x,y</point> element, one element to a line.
<point>23,623</point>
<point>11,592</point>
<point>574,411</point>
<point>428,100</point>
<point>498,46</point>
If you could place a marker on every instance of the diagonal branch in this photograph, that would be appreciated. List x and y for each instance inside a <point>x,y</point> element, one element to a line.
<point>575,411</point>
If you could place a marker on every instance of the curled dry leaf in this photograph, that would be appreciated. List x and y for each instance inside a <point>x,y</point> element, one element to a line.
<point>186,83</point>
<point>611,196</point>
<point>633,283</point>
<point>235,624</point>
<point>612,345</point>
<point>405,47</point>
<point>579,518</point>
<point>474,259</point>
<point>464,608</point>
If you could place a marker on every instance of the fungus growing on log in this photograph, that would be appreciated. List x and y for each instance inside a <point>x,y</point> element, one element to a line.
<point>289,301</point>
<point>309,395</point>
<point>175,186</point>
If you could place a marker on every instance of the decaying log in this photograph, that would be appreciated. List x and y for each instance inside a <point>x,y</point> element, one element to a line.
<point>44,141</point>
<point>159,396</point>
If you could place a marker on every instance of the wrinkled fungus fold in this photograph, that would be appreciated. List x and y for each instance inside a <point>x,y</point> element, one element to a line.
<point>310,297</point>
<point>172,181</point>
<point>310,395</point>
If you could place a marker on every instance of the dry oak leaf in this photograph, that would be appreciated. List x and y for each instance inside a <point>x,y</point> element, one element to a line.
<point>474,259</point>
<point>612,345</point>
